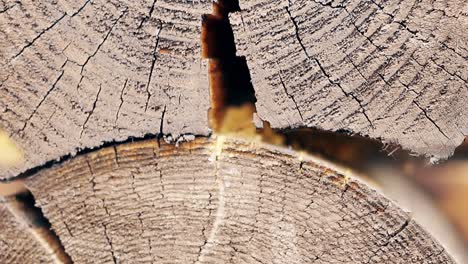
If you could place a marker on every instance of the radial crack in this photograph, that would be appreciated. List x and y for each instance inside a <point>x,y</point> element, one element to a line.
<point>290,96</point>
<point>42,101</point>
<point>381,8</point>
<point>400,229</point>
<point>91,112</point>
<point>109,241</point>
<point>150,13</point>
<point>102,42</point>
<point>81,8</point>
<point>430,119</point>
<point>39,35</point>
<point>322,69</point>
<point>449,73</point>
<point>10,7</point>
<point>121,102</point>
<point>153,61</point>
<point>161,126</point>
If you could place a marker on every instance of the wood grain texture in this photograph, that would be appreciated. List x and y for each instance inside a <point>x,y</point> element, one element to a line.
<point>394,70</point>
<point>76,74</point>
<point>145,203</point>
<point>17,244</point>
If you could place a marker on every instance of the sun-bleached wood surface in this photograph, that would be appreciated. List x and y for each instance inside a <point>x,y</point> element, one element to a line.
<point>76,74</point>
<point>79,73</point>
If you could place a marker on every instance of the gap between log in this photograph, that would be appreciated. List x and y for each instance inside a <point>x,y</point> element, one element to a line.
<point>232,99</point>
<point>22,206</point>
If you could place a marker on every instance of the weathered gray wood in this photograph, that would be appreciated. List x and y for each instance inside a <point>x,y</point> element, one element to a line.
<point>250,203</point>
<point>75,74</point>
<point>395,70</point>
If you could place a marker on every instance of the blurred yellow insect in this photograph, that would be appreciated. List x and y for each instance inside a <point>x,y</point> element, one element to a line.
<point>10,154</point>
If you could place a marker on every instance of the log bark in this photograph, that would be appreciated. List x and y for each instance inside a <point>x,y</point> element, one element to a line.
<point>235,202</point>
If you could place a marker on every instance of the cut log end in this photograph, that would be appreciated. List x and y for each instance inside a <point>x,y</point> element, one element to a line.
<point>82,75</point>
<point>78,75</point>
<point>222,202</point>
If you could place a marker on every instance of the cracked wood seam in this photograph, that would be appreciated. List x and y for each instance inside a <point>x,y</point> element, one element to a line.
<point>148,202</point>
<point>76,74</point>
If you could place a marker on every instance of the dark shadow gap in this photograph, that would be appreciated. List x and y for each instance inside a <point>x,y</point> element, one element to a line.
<point>461,152</point>
<point>230,84</point>
<point>23,206</point>
<point>353,151</point>
<point>232,100</point>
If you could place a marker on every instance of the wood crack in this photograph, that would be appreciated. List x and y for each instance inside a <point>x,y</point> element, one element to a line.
<point>400,229</point>
<point>134,189</point>
<point>39,35</point>
<point>401,23</point>
<point>454,74</point>
<point>91,111</point>
<point>42,101</point>
<point>121,102</point>
<point>10,7</point>
<point>389,240</point>
<point>322,69</point>
<point>80,8</point>
<point>356,67</point>
<point>430,119</point>
<point>109,241</point>
<point>153,61</point>
<point>162,184</point>
<point>453,50</point>
<point>408,88</point>
<point>116,155</point>
<point>161,126</point>
<point>102,42</point>
<point>290,96</point>
<point>150,13</point>
<point>94,190</point>
<point>99,47</point>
